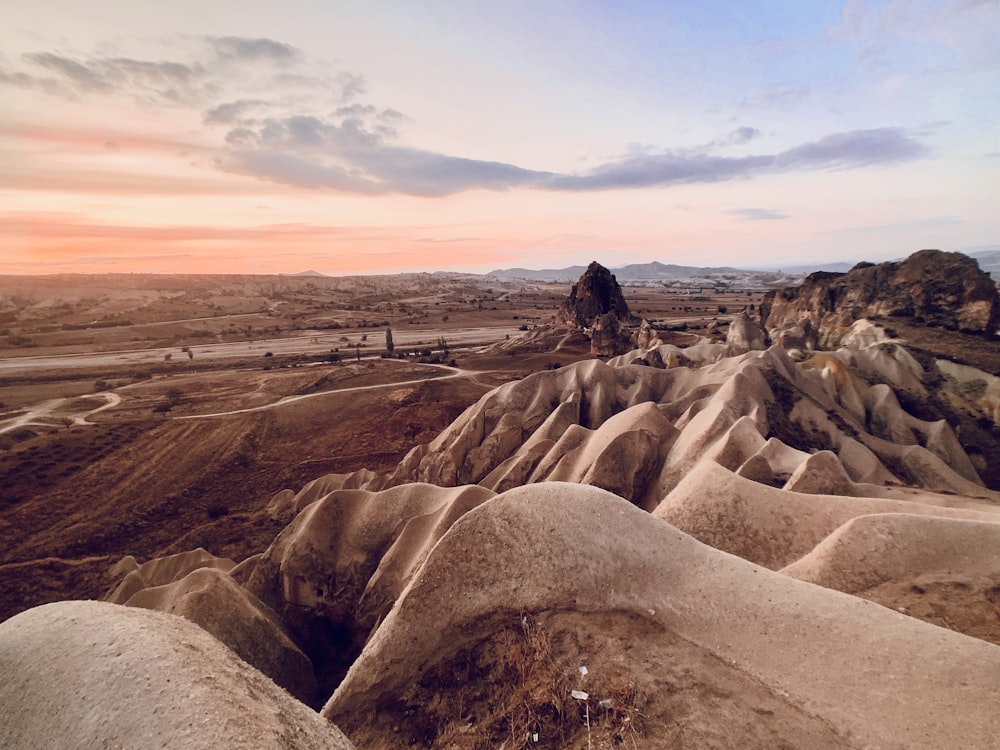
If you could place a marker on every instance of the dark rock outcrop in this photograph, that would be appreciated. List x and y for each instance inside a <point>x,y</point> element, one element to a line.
<point>596,303</point>
<point>595,294</point>
<point>931,288</point>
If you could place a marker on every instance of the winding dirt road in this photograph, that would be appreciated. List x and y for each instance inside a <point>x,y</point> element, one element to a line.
<point>59,412</point>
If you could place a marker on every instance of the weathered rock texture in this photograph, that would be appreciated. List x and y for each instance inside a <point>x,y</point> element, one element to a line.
<point>587,579</point>
<point>596,303</point>
<point>98,675</point>
<point>930,287</point>
<point>636,431</point>
<point>336,570</point>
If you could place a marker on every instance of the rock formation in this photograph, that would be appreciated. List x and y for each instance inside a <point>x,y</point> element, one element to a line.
<point>97,675</point>
<point>646,337</point>
<point>639,604</point>
<point>931,288</point>
<point>708,536</point>
<point>215,601</point>
<point>637,431</point>
<point>745,335</point>
<point>596,293</point>
<point>596,303</point>
<point>335,571</point>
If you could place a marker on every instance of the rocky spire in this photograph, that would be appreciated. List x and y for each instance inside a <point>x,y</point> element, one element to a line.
<point>597,305</point>
<point>597,293</point>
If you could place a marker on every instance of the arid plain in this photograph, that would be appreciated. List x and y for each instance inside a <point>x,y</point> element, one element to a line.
<point>472,512</point>
<point>108,385</point>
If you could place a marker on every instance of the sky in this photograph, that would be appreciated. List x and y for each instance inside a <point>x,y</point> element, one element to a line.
<point>383,136</point>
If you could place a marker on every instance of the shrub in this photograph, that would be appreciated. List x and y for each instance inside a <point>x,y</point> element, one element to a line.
<point>217,509</point>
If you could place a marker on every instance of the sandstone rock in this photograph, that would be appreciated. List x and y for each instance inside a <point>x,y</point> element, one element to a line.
<point>629,594</point>
<point>930,287</point>
<point>596,303</point>
<point>213,600</point>
<point>98,675</point>
<point>872,549</point>
<point>745,335</point>
<point>774,527</point>
<point>596,293</point>
<point>646,337</point>
<point>161,571</point>
<point>335,571</point>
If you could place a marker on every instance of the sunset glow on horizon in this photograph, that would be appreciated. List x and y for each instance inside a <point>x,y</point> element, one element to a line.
<point>353,137</point>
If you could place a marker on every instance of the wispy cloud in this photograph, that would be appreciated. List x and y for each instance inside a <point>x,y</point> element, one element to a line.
<point>854,149</point>
<point>349,156</point>
<point>214,65</point>
<point>966,28</point>
<point>757,214</point>
<point>239,48</point>
<point>776,97</point>
<point>314,135</point>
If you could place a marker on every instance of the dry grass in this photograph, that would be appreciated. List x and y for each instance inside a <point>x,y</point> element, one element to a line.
<point>514,691</point>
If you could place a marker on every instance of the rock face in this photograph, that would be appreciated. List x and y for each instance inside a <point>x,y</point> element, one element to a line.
<point>91,674</point>
<point>218,604</point>
<point>637,431</point>
<point>619,591</point>
<point>646,337</point>
<point>744,335</point>
<point>595,294</point>
<point>336,570</point>
<point>596,302</point>
<point>930,288</point>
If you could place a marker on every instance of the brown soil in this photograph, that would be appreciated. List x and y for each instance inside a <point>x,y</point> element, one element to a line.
<point>967,606</point>
<point>513,682</point>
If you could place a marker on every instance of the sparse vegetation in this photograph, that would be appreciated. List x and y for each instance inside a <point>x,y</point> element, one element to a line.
<point>516,691</point>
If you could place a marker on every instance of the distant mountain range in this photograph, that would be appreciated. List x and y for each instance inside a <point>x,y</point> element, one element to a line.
<point>645,272</point>
<point>988,258</point>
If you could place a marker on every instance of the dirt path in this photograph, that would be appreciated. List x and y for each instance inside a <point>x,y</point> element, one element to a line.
<point>453,372</point>
<point>57,411</point>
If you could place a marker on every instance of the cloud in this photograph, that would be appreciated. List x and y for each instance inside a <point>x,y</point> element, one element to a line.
<point>854,149</point>
<point>776,97</point>
<point>351,156</point>
<point>107,75</point>
<point>965,28</point>
<point>207,66</point>
<point>757,214</point>
<point>239,48</point>
<point>293,136</point>
<point>229,112</point>
<point>742,135</point>
<point>858,148</point>
<point>61,225</point>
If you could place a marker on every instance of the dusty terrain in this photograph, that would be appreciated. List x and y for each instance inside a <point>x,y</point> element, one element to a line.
<point>104,446</point>
<point>501,540</point>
